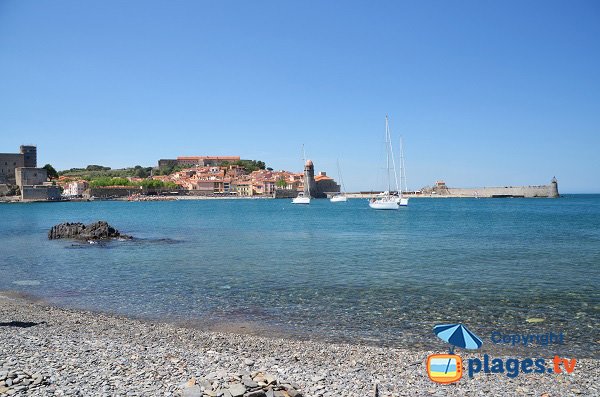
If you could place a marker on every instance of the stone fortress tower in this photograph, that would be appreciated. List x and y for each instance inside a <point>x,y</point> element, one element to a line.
<point>321,185</point>
<point>29,153</point>
<point>309,179</point>
<point>9,162</point>
<point>553,188</point>
<point>20,170</point>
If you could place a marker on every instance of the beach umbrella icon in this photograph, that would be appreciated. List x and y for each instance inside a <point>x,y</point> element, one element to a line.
<point>457,335</point>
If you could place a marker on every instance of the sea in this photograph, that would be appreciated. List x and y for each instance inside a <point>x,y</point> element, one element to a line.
<point>335,272</point>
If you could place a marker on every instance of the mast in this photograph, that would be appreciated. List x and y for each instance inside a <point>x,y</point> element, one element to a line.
<point>393,160</point>
<point>403,183</point>
<point>340,176</point>
<point>387,152</point>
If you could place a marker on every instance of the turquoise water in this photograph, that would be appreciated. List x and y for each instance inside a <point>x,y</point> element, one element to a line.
<point>339,272</point>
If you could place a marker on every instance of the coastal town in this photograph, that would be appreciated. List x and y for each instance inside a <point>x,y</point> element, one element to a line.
<point>191,176</point>
<point>199,177</point>
<point>299,198</point>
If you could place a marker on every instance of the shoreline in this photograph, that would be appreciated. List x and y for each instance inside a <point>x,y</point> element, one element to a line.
<point>414,340</point>
<point>69,350</point>
<point>351,196</point>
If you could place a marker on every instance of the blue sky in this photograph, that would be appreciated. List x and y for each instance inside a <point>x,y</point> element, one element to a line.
<point>483,92</point>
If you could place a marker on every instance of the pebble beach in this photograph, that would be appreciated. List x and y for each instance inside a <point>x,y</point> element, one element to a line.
<point>51,351</point>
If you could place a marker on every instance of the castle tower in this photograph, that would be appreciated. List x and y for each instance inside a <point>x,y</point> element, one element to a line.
<point>309,178</point>
<point>553,188</point>
<point>29,153</point>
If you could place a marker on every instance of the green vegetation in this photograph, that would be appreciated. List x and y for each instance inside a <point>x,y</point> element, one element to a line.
<point>154,184</point>
<point>146,183</point>
<point>248,165</point>
<point>52,174</point>
<point>98,171</point>
<point>172,169</point>
<point>107,181</point>
<point>94,167</point>
<point>281,183</point>
<point>141,172</point>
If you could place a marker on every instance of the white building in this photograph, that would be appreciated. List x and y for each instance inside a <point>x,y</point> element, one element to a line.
<point>75,189</point>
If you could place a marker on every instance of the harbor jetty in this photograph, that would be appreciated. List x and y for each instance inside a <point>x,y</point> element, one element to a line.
<point>441,190</point>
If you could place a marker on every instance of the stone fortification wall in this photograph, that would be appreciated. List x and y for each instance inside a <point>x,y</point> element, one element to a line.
<point>124,191</point>
<point>326,188</point>
<point>9,162</point>
<point>30,176</point>
<point>508,191</point>
<point>40,193</point>
<point>441,190</point>
<point>286,193</point>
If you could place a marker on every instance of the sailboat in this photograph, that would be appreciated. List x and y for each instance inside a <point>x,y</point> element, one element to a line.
<point>387,201</point>
<point>303,197</point>
<point>341,196</point>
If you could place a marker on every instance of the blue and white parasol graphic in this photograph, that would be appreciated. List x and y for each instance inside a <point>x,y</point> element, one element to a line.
<point>458,336</point>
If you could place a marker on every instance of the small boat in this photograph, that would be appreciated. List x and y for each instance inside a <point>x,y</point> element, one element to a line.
<point>338,199</point>
<point>341,196</point>
<point>303,197</point>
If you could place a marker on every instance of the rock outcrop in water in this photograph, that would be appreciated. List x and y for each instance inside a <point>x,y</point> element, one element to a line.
<point>100,230</point>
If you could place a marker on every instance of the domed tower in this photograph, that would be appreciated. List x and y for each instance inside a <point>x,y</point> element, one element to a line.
<point>309,179</point>
<point>553,188</point>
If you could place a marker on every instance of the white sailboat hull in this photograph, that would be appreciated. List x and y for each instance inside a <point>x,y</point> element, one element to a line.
<point>403,202</point>
<point>384,204</point>
<point>338,199</point>
<point>301,200</point>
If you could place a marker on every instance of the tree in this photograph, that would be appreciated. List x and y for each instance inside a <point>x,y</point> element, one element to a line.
<point>107,181</point>
<point>156,184</point>
<point>52,174</point>
<point>281,183</point>
<point>251,165</point>
<point>94,167</point>
<point>141,173</point>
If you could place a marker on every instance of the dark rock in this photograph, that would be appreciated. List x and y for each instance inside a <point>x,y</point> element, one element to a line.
<point>100,230</point>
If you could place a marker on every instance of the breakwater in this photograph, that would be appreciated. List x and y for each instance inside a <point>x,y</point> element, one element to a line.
<point>441,190</point>
<point>547,191</point>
